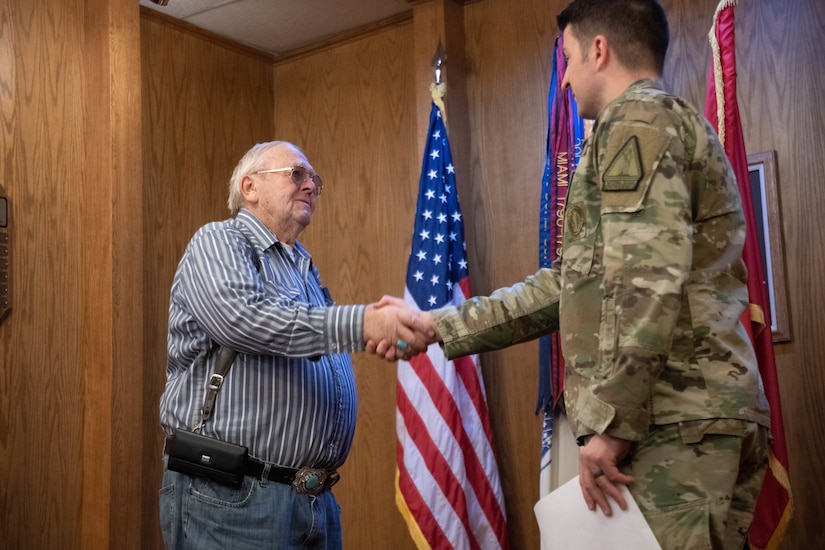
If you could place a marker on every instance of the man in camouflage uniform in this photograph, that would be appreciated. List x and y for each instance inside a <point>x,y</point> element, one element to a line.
<point>662,387</point>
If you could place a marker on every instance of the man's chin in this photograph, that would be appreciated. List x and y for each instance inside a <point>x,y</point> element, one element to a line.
<point>305,218</point>
<point>303,209</point>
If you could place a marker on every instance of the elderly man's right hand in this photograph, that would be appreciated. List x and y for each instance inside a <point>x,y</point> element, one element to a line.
<point>394,330</point>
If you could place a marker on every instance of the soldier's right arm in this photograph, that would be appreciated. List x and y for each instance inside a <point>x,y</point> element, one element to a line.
<point>508,316</point>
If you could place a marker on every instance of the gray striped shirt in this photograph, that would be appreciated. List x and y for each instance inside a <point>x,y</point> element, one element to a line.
<point>290,395</point>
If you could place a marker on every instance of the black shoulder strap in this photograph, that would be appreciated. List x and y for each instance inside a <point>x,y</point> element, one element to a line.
<point>225,358</point>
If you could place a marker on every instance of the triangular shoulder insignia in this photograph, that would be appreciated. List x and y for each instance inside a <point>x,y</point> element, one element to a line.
<point>625,170</point>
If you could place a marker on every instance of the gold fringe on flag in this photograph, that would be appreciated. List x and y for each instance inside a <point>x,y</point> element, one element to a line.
<point>717,69</point>
<point>439,91</point>
<point>415,530</point>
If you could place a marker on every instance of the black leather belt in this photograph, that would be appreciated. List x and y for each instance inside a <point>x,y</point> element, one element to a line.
<point>307,481</point>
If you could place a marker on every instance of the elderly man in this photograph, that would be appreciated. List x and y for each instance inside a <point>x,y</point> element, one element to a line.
<point>248,285</point>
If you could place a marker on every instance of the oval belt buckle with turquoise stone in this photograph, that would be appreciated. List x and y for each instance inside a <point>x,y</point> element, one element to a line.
<point>311,481</point>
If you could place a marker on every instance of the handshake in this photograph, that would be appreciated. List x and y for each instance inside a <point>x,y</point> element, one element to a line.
<point>394,330</point>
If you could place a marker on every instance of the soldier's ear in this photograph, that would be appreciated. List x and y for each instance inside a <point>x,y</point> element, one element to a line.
<point>600,51</point>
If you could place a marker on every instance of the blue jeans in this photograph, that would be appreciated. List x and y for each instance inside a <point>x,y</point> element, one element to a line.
<point>199,514</point>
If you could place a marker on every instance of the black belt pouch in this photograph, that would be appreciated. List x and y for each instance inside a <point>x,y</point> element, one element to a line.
<point>198,455</point>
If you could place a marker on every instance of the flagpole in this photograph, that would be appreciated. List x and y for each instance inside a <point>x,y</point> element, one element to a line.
<point>438,89</point>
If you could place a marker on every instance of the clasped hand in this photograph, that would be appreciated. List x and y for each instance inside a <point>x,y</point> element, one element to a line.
<point>394,330</point>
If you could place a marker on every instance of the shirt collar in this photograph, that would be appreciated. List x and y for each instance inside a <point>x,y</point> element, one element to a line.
<point>641,84</point>
<point>655,83</point>
<point>260,235</point>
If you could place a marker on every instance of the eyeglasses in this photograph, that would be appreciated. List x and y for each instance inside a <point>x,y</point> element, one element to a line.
<point>299,175</point>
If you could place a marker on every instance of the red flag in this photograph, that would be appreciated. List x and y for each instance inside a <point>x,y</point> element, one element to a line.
<point>447,489</point>
<point>774,506</point>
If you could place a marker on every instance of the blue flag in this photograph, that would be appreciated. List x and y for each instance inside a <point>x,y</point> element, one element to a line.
<point>565,136</point>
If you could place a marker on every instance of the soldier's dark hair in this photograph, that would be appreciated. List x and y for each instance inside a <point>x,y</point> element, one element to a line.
<point>636,29</point>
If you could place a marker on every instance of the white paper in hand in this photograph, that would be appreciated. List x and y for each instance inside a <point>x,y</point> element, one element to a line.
<point>565,523</point>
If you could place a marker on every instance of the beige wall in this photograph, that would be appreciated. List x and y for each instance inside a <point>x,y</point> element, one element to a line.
<point>94,247</point>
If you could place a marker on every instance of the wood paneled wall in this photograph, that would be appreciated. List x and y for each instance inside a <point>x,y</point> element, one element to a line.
<point>204,105</point>
<point>508,79</point>
<point>71,348</point>
<point>351,110</point>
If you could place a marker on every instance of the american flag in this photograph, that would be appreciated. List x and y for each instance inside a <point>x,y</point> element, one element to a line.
<point>447,487</point>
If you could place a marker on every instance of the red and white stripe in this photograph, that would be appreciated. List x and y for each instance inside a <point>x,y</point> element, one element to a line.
<point>448,488</point>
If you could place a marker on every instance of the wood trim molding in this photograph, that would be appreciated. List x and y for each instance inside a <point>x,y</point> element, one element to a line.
<point>210,36</point>
<point>344,37</point>
<point>462,2</point>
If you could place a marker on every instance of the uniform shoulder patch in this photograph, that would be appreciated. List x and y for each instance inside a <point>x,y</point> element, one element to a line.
<point>625,170</point>
<point>574,220</point>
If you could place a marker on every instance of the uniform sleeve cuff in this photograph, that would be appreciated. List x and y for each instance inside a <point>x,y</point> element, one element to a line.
<point>597,417</point>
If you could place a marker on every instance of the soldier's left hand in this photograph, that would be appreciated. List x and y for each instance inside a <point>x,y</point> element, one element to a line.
<point>599,474</point>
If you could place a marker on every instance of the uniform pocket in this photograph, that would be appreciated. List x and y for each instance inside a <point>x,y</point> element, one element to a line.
<point>608,343</point>
<point>581,225</point>
<point>684,526</point>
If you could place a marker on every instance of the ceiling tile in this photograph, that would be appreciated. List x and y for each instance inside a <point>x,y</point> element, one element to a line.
<point>280,25</point>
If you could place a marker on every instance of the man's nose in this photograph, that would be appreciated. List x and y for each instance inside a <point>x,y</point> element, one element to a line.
<point>312,186</point>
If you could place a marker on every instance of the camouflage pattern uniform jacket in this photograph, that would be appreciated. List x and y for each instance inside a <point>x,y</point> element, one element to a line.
<point>650,287</point>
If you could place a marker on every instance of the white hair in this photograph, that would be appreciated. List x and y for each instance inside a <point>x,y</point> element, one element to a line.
<point>250,163</point>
